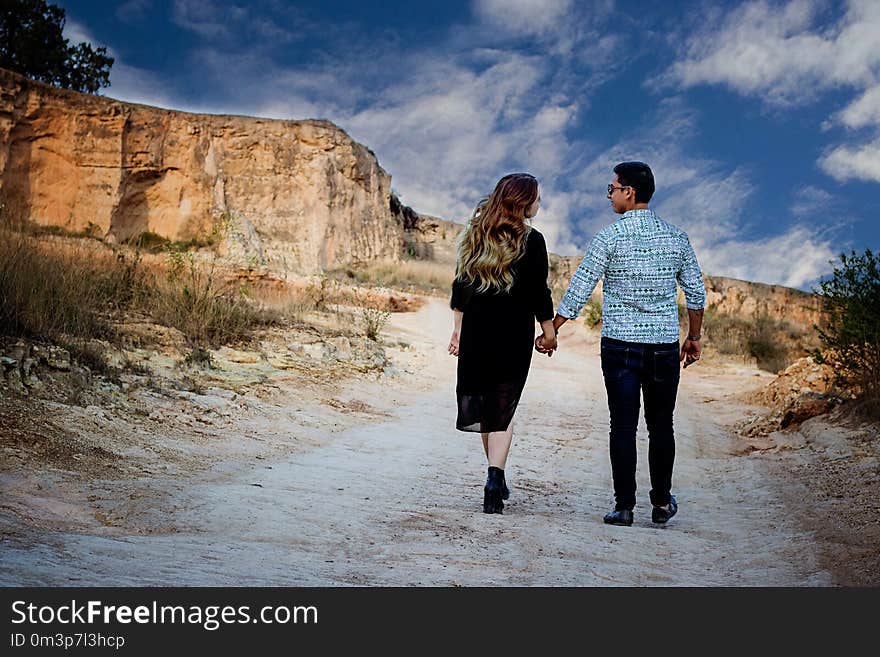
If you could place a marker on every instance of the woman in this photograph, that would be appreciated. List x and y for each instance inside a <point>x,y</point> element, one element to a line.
<point>500,289</point>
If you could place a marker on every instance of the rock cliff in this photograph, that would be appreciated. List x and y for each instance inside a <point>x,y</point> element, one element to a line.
<point>297,196</point>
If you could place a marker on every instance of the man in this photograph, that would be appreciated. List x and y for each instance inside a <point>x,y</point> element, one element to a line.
<point>641,258</point>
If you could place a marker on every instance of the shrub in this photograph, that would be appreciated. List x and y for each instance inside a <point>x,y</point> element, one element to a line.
<point>764,346</point>
<point>766,340</point>
<point>47,291</point>
<point>374,321</point>
<point>851,330</point>
<point>420,274</point>
<point>593,313</point>
<point>193,299</point>
<point>70,294</point>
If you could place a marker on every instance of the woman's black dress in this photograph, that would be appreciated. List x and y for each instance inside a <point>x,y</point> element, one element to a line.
<point>497,338</point>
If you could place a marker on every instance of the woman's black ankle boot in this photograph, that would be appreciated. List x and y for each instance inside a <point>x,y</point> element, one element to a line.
<point>494,489</point>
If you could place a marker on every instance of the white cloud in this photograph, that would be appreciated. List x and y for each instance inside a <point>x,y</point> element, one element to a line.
<point>450,131</point>
<point>781,55</point>
<point>524,17</point>
<point>76,33</point>
<point>133,11</point>
<point>864,111</point>
<point>796,258</point>
<point>207,18</point>
<point>859,162</point>
<point>778,53</point>
<point>810,201</point>
<point>712,210</point>
<point>137,85</point>
<point>256,25</point>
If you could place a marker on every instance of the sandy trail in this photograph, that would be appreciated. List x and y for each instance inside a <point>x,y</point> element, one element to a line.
<point>395,497</point>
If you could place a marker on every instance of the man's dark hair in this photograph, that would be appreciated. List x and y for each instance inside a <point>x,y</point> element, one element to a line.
<point>637,175</point>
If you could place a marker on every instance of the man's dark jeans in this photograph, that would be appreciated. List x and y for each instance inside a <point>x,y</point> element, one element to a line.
<point>653,369</point>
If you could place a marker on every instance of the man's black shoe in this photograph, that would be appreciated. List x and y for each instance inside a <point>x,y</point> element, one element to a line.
<point>621,517</point>
<point>661,515</point>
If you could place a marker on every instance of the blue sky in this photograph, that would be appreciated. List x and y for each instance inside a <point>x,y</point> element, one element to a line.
<point>760,119</point>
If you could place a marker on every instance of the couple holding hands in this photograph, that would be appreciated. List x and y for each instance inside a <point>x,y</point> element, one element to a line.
<point>500,290</point>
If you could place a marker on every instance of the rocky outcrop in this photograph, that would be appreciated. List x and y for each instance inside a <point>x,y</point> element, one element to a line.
<point>298,196</point>
<point>749,300</point>
<point>803,390</point>
<point>427,237</point>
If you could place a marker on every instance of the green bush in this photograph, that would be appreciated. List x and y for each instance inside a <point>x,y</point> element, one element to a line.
<point>764,346</point>
<point>851,329</point>
<point>593,313</point>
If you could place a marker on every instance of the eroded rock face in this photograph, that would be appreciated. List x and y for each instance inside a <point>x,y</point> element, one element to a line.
<point>746,299</point>
<point>300,196</point>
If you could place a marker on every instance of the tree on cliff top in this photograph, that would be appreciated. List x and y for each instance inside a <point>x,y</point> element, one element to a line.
<point>32,43</point>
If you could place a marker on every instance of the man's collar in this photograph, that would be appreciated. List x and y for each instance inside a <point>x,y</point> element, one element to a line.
<point>637,212</point>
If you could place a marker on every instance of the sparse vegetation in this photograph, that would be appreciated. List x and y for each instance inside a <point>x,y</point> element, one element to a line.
<point>47,292</point>
<point>773,344</point>
<point>763,344</point>
<point>151,242</point>
<point>421,275</point>
<point>70,294</point>
<point>593,313</point>
<point>91,230</point>
<point>193,299</point>
<point>90,356</point>
<point>851,299</point>
<point>374,321</point>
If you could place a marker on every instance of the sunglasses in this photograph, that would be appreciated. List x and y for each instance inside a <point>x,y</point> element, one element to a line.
<point>611,188</point>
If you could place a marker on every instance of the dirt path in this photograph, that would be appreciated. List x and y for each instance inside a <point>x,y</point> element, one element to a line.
<point>394,498</point>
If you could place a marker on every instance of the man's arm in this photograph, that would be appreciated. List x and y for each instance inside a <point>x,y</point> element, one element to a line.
<point>690,278</point>
<point>580,289</point>
<point>692,349</point>
<point>588,274</point>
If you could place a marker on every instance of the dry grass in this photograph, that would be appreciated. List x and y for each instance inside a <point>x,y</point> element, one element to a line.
<point>422,275</point>
<point>210,312</point>
<point>50,290</point>
<point>773,344</point>
<point>69,292</point>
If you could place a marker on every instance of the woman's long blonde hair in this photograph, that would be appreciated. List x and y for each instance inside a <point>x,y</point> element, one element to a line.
<point>495,236</point>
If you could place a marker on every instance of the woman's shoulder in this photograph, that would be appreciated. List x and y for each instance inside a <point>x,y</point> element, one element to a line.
<point>535,235</point>
<point>535,238</point>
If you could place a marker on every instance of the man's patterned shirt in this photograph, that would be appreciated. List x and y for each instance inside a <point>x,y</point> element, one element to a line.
<point>642,258</point>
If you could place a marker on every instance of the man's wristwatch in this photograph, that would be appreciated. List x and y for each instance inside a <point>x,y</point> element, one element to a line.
<point>695,338</point>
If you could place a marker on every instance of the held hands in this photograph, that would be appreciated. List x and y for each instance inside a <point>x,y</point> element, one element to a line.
<point>453,344</point>
<point>690,352</point>
<point>546,345</point>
